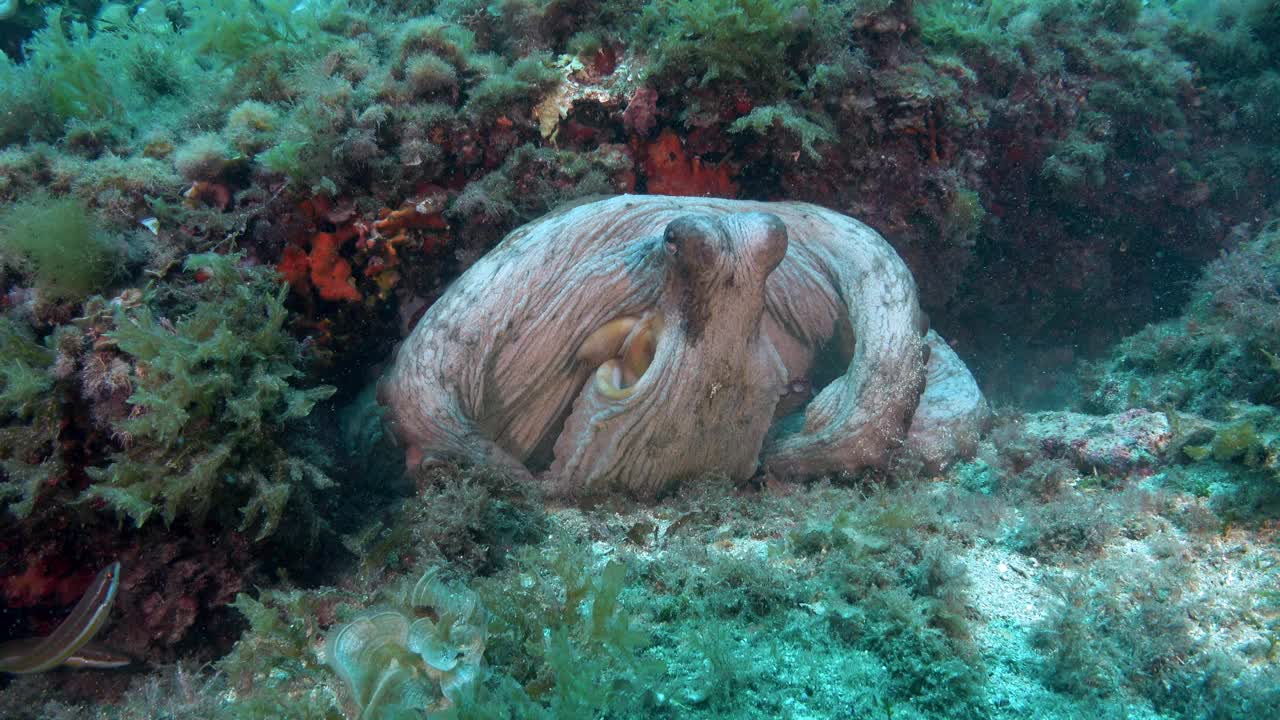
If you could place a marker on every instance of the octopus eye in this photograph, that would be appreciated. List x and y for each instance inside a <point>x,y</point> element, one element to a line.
<point>670,247</point>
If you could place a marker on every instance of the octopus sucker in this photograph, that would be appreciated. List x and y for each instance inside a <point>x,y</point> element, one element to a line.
<point>617,376</point>
<point>606,342</point>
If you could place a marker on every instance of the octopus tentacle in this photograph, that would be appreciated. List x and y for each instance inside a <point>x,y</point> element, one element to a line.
<point>952,414</point>
<point>859,418</point>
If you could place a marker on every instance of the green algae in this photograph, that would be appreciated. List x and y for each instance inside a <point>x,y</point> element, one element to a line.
<point>506,89</point>
<point>805,132</point>
<point>30,415</point>
<point>1239,441</point>
<point>211,391</point>
<point>768,48</point>
<point>74,82</point>
<point>236,32</point>
<point>58,244</point>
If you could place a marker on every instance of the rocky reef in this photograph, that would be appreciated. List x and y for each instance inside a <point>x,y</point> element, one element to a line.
<point>218,220</point>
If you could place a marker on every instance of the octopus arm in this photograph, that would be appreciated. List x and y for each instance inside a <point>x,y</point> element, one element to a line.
<point>859,419</point>
<point>952,415</point>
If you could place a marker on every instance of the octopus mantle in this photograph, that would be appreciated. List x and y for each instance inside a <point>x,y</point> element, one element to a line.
<point>640,340</point>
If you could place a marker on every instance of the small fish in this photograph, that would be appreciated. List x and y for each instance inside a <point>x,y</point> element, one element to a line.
<point>151,224</point>
<point>69,643</point>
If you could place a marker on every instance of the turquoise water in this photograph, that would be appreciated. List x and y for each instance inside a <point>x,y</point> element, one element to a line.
<point>258,348</point>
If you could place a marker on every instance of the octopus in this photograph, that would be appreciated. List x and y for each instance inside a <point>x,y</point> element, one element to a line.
<point>635,342</point>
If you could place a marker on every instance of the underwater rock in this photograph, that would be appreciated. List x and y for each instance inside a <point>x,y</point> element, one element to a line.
<point>1114,444</point>
<point>636,341</point>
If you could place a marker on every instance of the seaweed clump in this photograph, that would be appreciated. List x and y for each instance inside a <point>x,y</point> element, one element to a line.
<point>1129,625</point>
<point>57,243</point>
<point>762,46</point>
<point>212,393</point>
<point>32,415</point>
<point>551,638</point>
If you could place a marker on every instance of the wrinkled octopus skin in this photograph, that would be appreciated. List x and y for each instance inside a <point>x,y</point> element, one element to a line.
<point>633,342</point>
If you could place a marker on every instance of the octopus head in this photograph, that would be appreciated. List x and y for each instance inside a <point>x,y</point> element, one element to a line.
<point>716,273</point>
<point>672,385</point>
